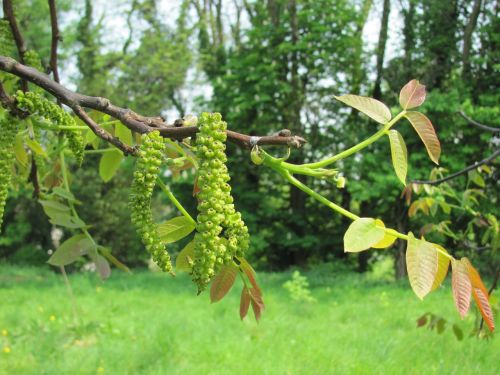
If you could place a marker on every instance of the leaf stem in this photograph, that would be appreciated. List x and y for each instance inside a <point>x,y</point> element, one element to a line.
<point>356,148</point>
<point>174,200</point>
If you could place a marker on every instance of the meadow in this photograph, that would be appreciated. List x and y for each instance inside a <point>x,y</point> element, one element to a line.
<point>149,323</point>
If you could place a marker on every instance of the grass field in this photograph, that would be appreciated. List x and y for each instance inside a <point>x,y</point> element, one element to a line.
<point>149,323</point>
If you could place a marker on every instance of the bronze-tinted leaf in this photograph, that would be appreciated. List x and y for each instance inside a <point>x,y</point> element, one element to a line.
<point>480,294</point>
<point>223,282</point>
<point>412,95</point>
<point>425,130</point>
<point>244,302</point>
<point>461,286</point>
<point>421,264</point>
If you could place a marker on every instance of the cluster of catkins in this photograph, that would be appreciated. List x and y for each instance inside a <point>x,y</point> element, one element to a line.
<point>8,130</point>
<point>35,104</point>
<point>221,233</point>
<point>6,40</point>
<point>145,175</point>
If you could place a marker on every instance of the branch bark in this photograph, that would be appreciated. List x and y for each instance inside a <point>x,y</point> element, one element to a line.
<point>461,172</point>
<point>478,124</point>
<point>10,16</point>
<point>133,121</point>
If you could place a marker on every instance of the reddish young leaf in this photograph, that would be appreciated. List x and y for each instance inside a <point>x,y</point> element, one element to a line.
<point>423,126</point>
<point>223,282</point>
<point>249,271</point>
<point>412,95</point>
<point>461,286</point>
<point>244,302</point>
<point>481,295</point>
<point>257,303</point>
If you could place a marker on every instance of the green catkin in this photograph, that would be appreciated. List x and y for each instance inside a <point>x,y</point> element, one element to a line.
<point>8,130</point>
<point>37,105</point>
<point>32,59</point>
<point>6,39</point>
<point>221,233</point>
<point>145,175</point>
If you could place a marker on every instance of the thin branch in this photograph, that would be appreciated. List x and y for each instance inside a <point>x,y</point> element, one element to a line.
<point>478,124</point>
<point>101,133</point>
<point>10,16</point>
<point>459,173</point>
<point>133,121</point>
<point>56,37</point>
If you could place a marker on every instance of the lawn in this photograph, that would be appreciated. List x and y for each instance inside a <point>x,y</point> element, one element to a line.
<point>149,323</point>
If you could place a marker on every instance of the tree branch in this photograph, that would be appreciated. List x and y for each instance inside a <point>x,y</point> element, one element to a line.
<point>56,37</point>
<point>478,124</point>
<point>461,172</point>
<point>10,16</point>
<point>133,121</point>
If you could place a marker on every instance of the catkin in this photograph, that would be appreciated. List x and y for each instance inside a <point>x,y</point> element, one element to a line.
<point>145,175</point>
<point>8,130</point>
<point>37,105</point>
<point>221,233</point>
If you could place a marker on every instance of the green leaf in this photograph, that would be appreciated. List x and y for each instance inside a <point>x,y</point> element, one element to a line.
<point>399,155</point>
<point>175,229</point>
<point>421,264</point>
<point>109,164</point>
<point>476,178</point>
<point>412,95</point>
<point>53,208</point>
<point>362,234</point>
<point>373,108</point>
<point>223,282</point>
<point>20,152</point>
<point>65,220</point>
<point>461,286</point>
<point>185,258</point>
<point>36,147</point>
<point>70,250</point>
<point>427,134</point>
<point>123,133</point>
<point>64,194</point>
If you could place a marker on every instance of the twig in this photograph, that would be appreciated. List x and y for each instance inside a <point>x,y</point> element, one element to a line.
<point>478,124</point>
<point>133,121</point>
<point>459,173</point>
<point>56,37</point>
<point>10,16</point>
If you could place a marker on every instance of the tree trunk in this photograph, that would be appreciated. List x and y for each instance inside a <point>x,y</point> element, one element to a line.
<point>469,29</point>
<point>382,41</point>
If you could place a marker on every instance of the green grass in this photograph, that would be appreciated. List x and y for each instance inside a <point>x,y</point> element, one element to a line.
<point>152,324</point>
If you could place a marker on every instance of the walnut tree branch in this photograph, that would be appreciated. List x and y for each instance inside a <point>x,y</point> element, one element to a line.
<point>459,173</point>
<point>56,37</point>
<point>10,16</point>
<point>133,121</point>
<point>478,124</point>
